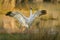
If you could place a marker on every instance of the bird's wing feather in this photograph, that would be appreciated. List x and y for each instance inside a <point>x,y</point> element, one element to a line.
<point>20,14</point>
<point>21,18</point>
<point>36,14</point>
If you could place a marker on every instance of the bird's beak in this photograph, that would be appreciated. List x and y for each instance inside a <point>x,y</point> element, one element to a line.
<point>43,12</point>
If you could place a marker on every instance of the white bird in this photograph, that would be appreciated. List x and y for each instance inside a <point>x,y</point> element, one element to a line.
<point>26,21</point>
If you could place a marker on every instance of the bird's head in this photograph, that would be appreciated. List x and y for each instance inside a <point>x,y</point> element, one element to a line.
<point>43,12</point>
<point>31,8</point>
<point>10,13</point>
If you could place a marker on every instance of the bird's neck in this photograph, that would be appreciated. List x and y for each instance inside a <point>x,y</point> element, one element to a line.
<point>30,13</point>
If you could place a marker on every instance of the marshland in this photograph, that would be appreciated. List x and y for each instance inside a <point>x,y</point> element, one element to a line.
<point>45,27</point>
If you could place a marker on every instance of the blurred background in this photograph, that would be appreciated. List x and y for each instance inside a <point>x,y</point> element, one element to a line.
<point>46,27</point>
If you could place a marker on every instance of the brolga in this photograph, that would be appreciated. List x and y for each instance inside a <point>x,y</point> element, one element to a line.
<point>26,21</point>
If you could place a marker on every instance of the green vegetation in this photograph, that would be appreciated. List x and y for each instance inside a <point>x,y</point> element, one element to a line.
<point>15,36</point>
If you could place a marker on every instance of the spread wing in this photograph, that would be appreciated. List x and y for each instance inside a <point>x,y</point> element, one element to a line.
<point>37,14</point>
<point>32,17</point>
<point>21,18</point>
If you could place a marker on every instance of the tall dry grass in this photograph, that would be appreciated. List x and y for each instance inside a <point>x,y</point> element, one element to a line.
<point>46,27</point>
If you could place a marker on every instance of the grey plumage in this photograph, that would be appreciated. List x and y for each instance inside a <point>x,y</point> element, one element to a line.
<point>26,21</point>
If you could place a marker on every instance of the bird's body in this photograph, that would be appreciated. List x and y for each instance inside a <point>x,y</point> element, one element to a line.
<point>25,21</point>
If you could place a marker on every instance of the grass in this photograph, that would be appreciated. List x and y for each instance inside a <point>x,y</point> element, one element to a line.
<point>45,22</point>
<point>46,34</point>
<point>15,36</point>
